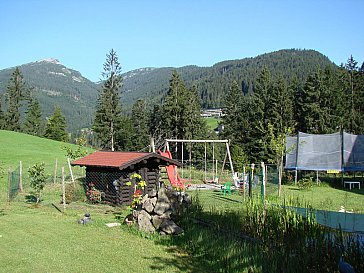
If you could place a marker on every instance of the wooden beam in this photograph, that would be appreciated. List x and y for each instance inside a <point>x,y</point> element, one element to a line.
<point>198,140</point>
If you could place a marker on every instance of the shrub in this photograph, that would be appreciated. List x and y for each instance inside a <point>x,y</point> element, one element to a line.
<point>74,192</point>
<point>305,183</point>
<point>37,179</point>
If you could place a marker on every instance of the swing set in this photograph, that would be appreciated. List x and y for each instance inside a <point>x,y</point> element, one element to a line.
<point>173,172</point>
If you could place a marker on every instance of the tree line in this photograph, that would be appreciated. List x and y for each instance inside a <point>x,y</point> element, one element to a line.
<point>19,98</point>
<point>178,116</point>
<point>330,100</point>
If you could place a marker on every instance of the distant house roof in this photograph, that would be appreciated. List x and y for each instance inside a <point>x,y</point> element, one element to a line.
<point>121,160</point>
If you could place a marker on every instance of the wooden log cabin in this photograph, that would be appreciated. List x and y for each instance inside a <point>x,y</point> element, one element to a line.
<point>108,173</point>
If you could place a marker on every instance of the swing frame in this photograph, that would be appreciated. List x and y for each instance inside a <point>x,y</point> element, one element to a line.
<point>226,141</point>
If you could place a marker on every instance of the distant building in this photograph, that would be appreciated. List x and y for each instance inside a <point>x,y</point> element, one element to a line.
<point>213,112</point>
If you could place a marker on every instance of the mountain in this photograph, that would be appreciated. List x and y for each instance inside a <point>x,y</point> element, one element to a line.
<point>55,84</point>
<point>213,82</point>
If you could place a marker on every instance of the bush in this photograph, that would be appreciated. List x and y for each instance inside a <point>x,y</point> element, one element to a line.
<point>305,183</point>
<point>74,192</point>
<point>37,179</point>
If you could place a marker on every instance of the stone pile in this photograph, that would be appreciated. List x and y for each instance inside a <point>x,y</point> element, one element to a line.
<point>156,211</point>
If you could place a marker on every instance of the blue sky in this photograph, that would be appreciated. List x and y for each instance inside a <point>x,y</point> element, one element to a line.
<point>176,32</point>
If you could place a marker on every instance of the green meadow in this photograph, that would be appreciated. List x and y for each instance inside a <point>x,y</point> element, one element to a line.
<point>223,233</point>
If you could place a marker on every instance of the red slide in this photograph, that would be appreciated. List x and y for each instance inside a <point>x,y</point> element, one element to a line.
<point>172,173</point>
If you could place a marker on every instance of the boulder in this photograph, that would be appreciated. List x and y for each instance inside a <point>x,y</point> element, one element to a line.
<point>154,201</point>
<point>153,193</point>
<point>144,223</point>
<point>157,221</point>
<point>148,205</point>
<point>145,197</point>
<point>170,227</point>
<point>187,199</point>
<point>163,204</point>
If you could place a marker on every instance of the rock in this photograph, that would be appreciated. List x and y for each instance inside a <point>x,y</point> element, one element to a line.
<point>157,221</point>
<point>153,193</point>
<point>170,227</point>
<point>153,201</point>
<point>148,206</point>
<point>166,214</point>
<point>144,223</point>
<point>163,204</point>
<point>145,197</point>
<point>187,199</point>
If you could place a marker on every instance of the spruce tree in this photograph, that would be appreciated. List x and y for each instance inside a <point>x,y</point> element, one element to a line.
<point>15,94</point>
<point>33,123</point>
<point>2,117</point>
<point>313,114</point>
<point>139,118</point>
<point>181,111</point>
<point>172,106</point>
<point>233,113</point>
<point>56,126</point>
<point>156,126</point>
<point>108,118</point>
<point>257,139</point>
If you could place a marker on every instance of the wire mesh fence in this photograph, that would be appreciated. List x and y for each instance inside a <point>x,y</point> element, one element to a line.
<point>19,179</point>
<point>13,183</point>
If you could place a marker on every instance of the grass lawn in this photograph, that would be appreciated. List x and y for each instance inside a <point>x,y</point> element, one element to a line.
<point>44,240</point>
<point>324,197</point>
<point>41,239</point>
<point>212,123</point>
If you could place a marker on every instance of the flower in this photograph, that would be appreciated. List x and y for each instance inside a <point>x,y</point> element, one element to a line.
<point>138,190</point>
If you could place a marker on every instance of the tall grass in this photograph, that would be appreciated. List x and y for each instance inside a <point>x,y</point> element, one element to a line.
<point>261,238</point>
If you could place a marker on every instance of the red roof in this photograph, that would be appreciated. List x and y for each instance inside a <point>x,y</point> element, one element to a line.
<point>119,160</point>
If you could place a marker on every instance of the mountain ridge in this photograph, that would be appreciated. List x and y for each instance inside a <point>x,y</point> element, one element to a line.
<point>55,84</point>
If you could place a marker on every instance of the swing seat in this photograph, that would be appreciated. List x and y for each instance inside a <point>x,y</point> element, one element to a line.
<point>226,188</point>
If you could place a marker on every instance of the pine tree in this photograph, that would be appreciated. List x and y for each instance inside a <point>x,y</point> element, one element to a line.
<point>139,118</point>
<point>233,113</point>
<point>33,123</point>
<point>108,118</point>
<point>181,111</point>
<point>15,93</point>
<point>2,117</point>
<point>156,126</point>
<point>56,126</point>
<point>257,139</point>
<point>193,124</point>
<point>314,116</point>
<point>172,107</point>
<point>280,112</point>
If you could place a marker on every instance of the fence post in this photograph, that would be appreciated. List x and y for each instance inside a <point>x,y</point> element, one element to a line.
<point>9,173</point>
<point>20,176</point>
<point>69,166</point>
<point>63,191</point>
<point>55,173</point>
<point>244,181</point>
<point>263,182</point>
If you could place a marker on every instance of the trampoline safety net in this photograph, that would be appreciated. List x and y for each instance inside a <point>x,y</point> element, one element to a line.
<point>338,151</point>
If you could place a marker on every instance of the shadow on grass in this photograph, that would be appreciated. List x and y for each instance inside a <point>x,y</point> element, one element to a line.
<point>30,199</point>
<point>218,196</point>
<point>337,183</point>
<point>209,246</point>
<point>2,213</point>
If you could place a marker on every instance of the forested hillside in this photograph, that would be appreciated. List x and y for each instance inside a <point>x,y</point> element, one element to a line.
<point>54,84</point>
<point>213,82</point>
